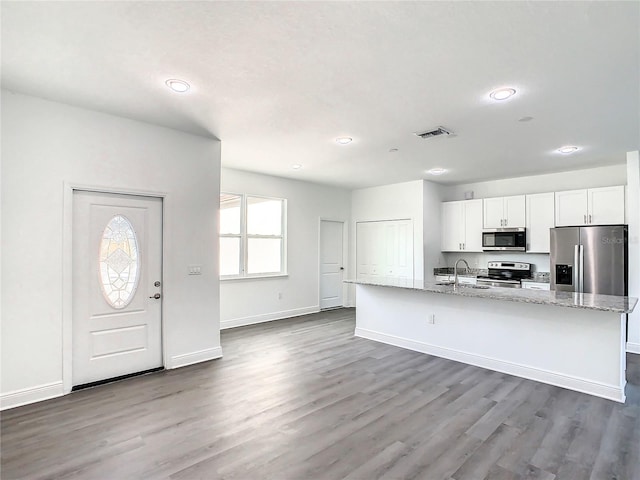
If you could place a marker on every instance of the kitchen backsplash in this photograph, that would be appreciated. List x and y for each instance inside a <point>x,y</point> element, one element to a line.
<point>479,260</point>
<point>542,277</point>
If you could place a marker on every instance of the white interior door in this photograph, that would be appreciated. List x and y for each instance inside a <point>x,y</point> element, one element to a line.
<point>117,267</point>
<point>331,268</point>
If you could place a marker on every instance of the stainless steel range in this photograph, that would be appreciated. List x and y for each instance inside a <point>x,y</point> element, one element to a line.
<point>505,274</point>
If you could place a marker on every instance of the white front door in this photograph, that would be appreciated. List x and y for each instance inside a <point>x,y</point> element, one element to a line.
<point>117,274</point>
<point>331,268</point>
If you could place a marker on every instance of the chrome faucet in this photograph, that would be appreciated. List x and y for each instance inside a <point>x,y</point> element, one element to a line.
<point>455,270</point>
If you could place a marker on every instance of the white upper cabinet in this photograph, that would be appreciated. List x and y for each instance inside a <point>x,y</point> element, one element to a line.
<point>594,206</point>
<point>462,226</point>
<point>540,218</point>
<point>493,212</point>
<point>452,226</point>
<point>473,226</point>
<point>605,205</point>
<point>504,212</point>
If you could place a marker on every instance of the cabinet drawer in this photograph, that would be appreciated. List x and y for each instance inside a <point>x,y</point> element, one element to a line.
<point>536,286</point>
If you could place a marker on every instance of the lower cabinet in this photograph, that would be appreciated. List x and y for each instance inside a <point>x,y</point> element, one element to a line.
<point>535,285</point>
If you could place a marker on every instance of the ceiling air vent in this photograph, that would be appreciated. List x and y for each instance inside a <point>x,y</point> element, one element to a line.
<point>434,133</point>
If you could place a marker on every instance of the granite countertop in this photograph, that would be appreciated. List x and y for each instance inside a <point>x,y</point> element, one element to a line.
<point>603,303</point>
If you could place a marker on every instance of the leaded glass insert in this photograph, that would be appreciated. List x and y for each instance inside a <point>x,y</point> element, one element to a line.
<point>119,263</point>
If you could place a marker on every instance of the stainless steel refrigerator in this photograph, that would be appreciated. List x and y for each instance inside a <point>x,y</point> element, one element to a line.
<point>590,259</point>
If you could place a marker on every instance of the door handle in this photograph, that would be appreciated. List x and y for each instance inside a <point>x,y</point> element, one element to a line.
<point>589,218</point>
<point>585,218</point>
<point>576,268</point>
<point>156,296</point>
<point>581,264</point>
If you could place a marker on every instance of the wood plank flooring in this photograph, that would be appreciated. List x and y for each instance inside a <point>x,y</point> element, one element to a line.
<point>303,399</point>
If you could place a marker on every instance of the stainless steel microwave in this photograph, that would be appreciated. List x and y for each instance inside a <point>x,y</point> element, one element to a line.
<point>504,239</point>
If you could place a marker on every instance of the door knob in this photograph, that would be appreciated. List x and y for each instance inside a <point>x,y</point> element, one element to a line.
<point>156,296</point>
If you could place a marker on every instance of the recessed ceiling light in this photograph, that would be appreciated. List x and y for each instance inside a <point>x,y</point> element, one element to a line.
<point>525,119</point>
<point>568,149</point>
<point>502,93</point>
<point>176,85</point>
<point>437,171</point>
<point>344,140</point>
<point>296,166</point>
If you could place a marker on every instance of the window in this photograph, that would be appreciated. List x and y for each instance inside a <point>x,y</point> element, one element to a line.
<point>252,236</point>
<point>119,263</point>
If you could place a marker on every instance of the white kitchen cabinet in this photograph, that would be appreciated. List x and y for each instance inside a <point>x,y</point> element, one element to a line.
<point>535,285</point>
<point>594,206</point>
<point>462,226</point>
<point>539,219</point>
<point>463,280</point>
<point>605,205</point>
<point>504,212</point>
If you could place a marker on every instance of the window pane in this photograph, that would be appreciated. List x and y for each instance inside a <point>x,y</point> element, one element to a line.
<point>264,216</point>
<point>119,263</point>
<point>264,255</point>
<point>229,256</point>
<point>229,213</point>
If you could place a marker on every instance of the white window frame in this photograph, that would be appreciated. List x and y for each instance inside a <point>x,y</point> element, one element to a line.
<point>244,237</point>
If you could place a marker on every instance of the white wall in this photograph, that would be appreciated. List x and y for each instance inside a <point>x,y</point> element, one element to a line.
<point>633,219</point>
<point>247,301</point>
<point>431,208</point>
<point>46,146</point>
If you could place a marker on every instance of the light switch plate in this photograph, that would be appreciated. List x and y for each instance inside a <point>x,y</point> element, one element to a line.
<point>195,270</point>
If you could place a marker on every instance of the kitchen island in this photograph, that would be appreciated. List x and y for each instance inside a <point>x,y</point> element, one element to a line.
<point>575,341</point>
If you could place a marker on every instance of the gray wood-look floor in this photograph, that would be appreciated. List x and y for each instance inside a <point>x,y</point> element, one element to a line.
<point>303,399</point>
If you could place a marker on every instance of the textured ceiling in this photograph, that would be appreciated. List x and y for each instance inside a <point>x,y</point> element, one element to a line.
<point>277,82</point>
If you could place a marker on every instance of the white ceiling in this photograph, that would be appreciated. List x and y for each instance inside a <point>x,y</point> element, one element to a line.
<point>277,82</point>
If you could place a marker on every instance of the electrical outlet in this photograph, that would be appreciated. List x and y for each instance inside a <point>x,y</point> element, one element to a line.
<point>431,319</point>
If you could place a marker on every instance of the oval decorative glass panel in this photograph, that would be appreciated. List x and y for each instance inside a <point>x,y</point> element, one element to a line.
<point>119,263</point>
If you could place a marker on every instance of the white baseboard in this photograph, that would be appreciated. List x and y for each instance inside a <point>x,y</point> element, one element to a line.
<point>31,395</point>
<point>268,317</point>
<point>190,358</point>
<point>610,392</point>
<point>633,347</point>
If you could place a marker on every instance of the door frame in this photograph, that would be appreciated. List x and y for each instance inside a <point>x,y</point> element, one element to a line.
<point>345,256</point>
<point>67,269</point>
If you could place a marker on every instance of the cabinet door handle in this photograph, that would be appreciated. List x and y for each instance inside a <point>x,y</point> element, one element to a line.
<point>506,222</point>
<point>585,218</point>
<point>589,218</point>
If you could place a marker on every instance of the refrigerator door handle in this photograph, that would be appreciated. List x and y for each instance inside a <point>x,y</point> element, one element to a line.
<point>581,272</point>
<point>576,268</point>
